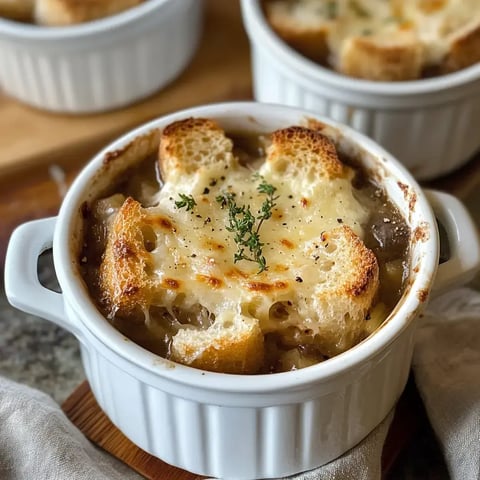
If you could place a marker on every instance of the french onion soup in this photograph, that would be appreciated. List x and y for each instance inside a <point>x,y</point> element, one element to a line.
<point>384,40</point>
<point>245,253</point>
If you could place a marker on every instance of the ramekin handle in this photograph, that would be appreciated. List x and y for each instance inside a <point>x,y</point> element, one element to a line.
<point>463,239</point>
<point>22,286</point>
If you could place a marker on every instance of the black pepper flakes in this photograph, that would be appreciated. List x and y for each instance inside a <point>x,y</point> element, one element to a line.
<point>299,279</point>
<point>206,191</point>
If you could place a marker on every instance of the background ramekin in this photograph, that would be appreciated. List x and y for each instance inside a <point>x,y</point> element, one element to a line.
<point>234,426</point>
<point>430,125</point>
<point>103,64</point>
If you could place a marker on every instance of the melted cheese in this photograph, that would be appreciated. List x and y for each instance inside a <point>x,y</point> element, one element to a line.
<point>432,23</point>
<point>194,251</point>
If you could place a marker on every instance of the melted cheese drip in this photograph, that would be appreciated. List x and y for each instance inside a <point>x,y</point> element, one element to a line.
<point>196,254</point>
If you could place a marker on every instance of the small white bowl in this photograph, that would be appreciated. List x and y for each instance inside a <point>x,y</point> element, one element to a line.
<point>430,125</point>
<point>241,426</point>
<point>103,64</point>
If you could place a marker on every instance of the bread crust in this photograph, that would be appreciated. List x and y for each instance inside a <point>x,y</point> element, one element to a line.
<point>303,151</point>
<point>234,349</point>
<point>69,12</point>
<point>464,50</point>
<point>123,279</point>
<point>187,145</point>
<point>309,40</point>
<point>367,57</point>
<point>21,10</point>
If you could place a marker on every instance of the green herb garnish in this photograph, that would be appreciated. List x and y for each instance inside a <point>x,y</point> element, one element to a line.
<point>246,227</point>
<point>185,201</point>
<point>358,9</point>
<point>331,9</point>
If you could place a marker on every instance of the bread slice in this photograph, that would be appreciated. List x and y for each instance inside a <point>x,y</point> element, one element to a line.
<point>349,282</point>
<point>232,344</point>
<point>69,12</point>
<point>21,10</point>
<point>382,57</point>
<point>300,151</point>
<point>191,144</point>
<point>126,286</point>
<point>464,49</point>
<point>299,27</point>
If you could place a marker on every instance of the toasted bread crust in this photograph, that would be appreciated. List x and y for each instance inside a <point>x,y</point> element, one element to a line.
<point>237,349</point>
<point>17,9</point>
<point>123,277</point>
<point>302,151</point>
<point>343,303</point>
<point>189,144</point>
<point>362,282</point>
<point>366,57</point>
<point>68,12</point>
<point>464,50</point>
<point>310,41</point>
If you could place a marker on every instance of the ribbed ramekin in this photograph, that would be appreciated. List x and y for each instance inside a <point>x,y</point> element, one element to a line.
<point>430,125</point>
<point>103,64</point>
<point>241,426</point>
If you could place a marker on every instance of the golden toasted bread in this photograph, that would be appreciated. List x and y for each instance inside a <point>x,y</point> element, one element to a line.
<point>377,57</point>
<point>299,28</point>
<point>464,49</point>
<point>124,281</point>
<point>232,344</point>
<point>342,300</point>
<point>17,9</point>
<point>69,12</point>
<point>190,144</point>
<point>304,152</point>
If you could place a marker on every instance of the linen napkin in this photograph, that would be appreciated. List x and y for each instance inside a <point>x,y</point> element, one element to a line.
<point>38,442</point>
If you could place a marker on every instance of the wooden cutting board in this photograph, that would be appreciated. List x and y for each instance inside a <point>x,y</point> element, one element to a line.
<point>219,71</point>
<point>84,412</point>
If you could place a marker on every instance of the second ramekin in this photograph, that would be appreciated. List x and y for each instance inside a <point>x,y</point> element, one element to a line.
<point>99,65</point>
<point>430,125</point>
<point>241,426</point>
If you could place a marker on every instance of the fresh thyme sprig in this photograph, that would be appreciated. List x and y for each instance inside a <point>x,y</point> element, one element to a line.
<point>185,201</point>
<point>243,224</point>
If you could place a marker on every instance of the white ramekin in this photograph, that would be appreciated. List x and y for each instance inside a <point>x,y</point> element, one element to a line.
<point>234,426</point>
<point>103,64</point>
<point>430,125</point>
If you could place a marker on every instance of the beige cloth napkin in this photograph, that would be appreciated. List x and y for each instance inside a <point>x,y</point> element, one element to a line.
<point>38,442</point>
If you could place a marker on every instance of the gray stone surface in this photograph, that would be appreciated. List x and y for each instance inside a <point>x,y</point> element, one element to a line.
<point>35,351</point>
